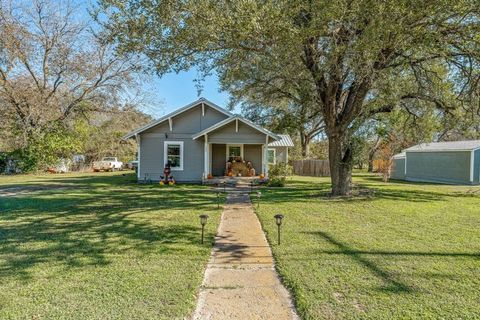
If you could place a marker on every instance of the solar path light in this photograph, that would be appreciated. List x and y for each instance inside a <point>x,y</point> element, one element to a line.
<point>278,221</point>
<point>203,222</point>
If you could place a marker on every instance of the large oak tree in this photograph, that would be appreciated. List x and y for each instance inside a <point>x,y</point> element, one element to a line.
<point>352,50</point>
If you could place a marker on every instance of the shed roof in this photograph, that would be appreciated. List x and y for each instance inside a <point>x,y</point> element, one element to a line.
<point>285,141</point>
<point>399,156</point>
<point>467,145</point>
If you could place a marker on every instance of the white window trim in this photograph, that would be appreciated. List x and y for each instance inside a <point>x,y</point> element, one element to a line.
<point>274,155</point>
<point>165,146</point>
<point>234,145</point>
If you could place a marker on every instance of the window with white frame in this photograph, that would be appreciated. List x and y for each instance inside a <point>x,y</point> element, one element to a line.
<point>234,151</point>
<point>173,154</point>
<point>271,156</point>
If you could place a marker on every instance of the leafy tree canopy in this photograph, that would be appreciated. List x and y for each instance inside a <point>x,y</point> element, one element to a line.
<point>347,56</point>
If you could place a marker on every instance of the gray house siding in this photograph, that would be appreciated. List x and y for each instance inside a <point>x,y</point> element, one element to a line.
<point>398,169</point>
<point>219,152</point>
<point>189,122</point>
<point>183,126</point>
<point>161,128</point>
<point>443,167</point>
<point>212,116</point>
<point>253,153</point>
<point>152,158</point>
<point>228,134</point>
<point>476,167</point>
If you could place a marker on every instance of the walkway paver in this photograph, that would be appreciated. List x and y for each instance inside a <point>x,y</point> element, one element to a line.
<point>240,281</point>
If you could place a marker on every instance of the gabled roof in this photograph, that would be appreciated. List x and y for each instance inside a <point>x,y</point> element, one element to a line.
<point>468,145</point>
<point>175,113</point>
<point>401,155</point>
<point>285,141</point>
<point>229,120</point>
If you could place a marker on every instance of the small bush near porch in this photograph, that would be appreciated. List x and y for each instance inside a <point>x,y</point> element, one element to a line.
<point>101,247</point>
<point>395,250</point>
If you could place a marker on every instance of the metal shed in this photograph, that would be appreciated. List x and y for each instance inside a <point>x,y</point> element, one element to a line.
<point>398,167</point>
<point>452,162</point>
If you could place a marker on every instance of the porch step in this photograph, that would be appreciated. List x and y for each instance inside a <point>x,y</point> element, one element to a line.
<point>229,181</point>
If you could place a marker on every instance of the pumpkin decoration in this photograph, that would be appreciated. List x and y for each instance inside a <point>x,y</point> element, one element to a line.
<point>161,183</point>
<point>230,174</point>
<point>209,176</point>
<point>262,176</point>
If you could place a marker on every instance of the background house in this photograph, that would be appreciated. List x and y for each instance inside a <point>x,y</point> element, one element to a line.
<point>201,139</point>
<point>454,162</point>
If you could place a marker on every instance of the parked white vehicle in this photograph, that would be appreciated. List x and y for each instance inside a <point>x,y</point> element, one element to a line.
<point>107,164</point>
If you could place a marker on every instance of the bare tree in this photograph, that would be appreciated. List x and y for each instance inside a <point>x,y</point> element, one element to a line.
<point>53,67</point>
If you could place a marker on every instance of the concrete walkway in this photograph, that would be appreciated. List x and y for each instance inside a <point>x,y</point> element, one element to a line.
<point>240,281</point>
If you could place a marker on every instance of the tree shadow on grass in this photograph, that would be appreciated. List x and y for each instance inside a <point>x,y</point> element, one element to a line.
<point>322,193</point>
<point>393,284</point>
<point>87,226</point>
<point>410,192</point>
<point>88,198</point>
<point>77,245</point>
<point>72,180</point>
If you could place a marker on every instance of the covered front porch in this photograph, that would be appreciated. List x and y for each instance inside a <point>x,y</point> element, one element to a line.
<point>235,147</point>
<point>239,160</point>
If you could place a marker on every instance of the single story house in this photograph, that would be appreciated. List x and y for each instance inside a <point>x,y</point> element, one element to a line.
<point>452,162</point>
<point>202,139</point>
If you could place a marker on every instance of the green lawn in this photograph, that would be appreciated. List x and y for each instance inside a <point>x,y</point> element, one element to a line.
<point>100,246</point>
<point>395,250</point>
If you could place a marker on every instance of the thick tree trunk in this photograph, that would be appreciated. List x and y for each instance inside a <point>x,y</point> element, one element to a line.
<point>305,140</point>
<point>305,150</point>
<point>341,164</point>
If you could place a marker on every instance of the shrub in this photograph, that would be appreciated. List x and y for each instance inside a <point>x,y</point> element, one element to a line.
<point>3,162</point>
<point>278,174</point>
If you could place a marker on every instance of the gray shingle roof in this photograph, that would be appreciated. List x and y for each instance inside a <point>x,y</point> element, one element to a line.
<point>468,145</point>
<point>285,141</point>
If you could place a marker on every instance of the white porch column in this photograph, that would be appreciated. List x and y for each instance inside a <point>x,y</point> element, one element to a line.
<point>209,157</point>
<point>137,137</point>
<point>265,157</point>
<point>205,157</point>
